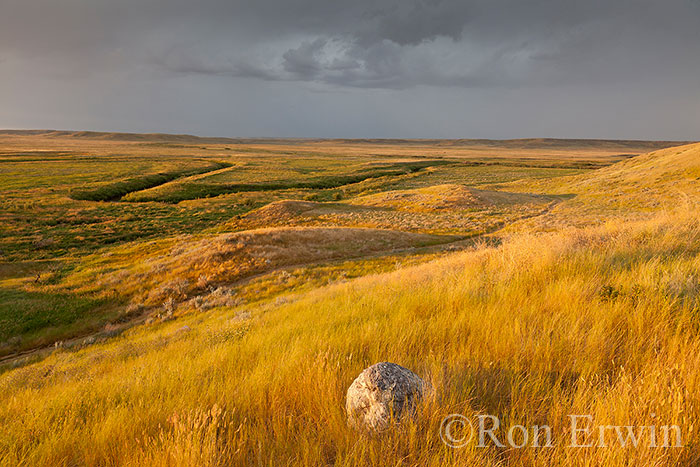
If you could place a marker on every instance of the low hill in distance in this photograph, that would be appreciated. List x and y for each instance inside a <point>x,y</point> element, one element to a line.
<point>526,147</point>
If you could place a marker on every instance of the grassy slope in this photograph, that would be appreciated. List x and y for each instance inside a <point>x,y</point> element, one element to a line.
<point>162,276</point>
<point>191,266</point>
<point>634,189</point>
<point>41,224</point>
<point>599,321</point>
<point>522,332</point>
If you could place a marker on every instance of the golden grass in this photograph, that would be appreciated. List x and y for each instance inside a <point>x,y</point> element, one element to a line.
<point>443,209</point>
<point>597,320</point>
<point>444,197</point>
<point>521,331</point>
<point>173,270</point>
<point>635,189</point>
<point>40,222</point>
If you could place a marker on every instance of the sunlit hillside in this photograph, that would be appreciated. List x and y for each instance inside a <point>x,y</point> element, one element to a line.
<point>637,188</point>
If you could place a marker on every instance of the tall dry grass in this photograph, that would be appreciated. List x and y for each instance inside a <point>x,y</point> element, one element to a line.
<point>600,321</point>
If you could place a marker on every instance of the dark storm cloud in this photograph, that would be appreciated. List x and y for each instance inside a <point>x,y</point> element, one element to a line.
<point>400,44</point>
<point>385,43</point>
<point>330,46</point>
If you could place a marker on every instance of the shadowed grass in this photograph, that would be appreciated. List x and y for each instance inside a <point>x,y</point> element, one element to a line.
<point>41,318</point>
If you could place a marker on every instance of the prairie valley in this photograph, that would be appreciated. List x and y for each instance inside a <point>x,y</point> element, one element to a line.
<point>175,300</point>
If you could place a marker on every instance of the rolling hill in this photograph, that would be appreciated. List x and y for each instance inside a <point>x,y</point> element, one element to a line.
<point>637,188</point>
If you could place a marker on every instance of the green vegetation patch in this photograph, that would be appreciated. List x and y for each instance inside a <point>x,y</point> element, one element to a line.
<point>25,313</point>
<point>193,190</point>
<point>115,191</point>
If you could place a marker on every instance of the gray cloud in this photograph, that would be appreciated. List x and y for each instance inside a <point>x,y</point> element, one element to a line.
<point>337,48</point>
<point>304,61</point>
<point>399,44</point>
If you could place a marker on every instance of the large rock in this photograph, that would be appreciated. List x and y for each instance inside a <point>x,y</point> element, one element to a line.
<point>383,391</point>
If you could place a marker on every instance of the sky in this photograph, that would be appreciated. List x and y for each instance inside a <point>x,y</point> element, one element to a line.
<point>627,69</point>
